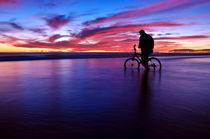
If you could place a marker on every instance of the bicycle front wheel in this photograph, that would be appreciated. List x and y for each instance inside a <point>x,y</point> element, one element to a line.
<point>154,64</point>
<point>131,63</point>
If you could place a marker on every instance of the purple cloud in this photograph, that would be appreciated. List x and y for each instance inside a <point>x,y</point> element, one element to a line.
<point>16,26</point>
<point>57,21</point>
<point>162,6</point>
<point>13,24</point>
<point>37,30</point>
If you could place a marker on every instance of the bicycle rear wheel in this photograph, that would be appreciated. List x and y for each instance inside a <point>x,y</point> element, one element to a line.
<point>131,63</point>
<point>154,64</point>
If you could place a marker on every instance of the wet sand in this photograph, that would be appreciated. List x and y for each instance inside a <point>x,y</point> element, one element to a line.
<point>96,98</point>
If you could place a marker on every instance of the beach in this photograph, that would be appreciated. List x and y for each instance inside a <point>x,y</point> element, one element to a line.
<point>96,98</point>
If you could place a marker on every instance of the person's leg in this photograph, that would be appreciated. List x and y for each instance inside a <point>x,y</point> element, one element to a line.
<point>144,58</point>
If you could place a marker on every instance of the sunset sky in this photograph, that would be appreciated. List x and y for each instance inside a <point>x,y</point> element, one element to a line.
<point>102,25</point>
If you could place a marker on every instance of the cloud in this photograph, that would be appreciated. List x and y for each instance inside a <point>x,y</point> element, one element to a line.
<point>162,6</point>
<point>51,4</point>
<point>56,3</point>
<point>166,34</point>
<point>57,21</point>
<point>183,37</point>
<point>124,28</point>
<point>16,26</point>
<point>190,51</point>
<point>110,43</point>
<point>60,45</point>
<point>10,39</point>
<point>73,45</point>
<point>131,13</point>
<point>186,5</point>
<point>37,30</point>
<point>7,2</point>
<point>53,38</point>
<point>13,24</point>
<point>37,44</point>
<point>4,30</point>
<point>165,46</point>
<point>107,38</point>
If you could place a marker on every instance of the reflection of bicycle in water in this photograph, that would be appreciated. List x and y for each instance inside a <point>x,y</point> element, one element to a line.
<point>136,61</point>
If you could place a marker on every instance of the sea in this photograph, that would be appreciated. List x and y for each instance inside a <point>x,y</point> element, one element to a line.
<point>97,98</point>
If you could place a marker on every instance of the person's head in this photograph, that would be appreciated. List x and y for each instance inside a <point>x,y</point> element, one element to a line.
<point>141,32</point>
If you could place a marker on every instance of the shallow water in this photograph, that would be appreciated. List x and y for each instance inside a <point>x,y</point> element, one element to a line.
<point>96,98</point>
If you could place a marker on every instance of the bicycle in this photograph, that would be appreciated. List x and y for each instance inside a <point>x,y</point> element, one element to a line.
<point>136,61</point>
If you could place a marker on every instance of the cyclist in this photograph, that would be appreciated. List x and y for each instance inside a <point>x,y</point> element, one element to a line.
<point>146,43</point>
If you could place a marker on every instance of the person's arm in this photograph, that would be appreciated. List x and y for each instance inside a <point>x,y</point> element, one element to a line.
<point>139,42</point>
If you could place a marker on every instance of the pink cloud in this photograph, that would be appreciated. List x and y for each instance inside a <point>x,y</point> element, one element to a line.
<point>97,32</point>
<point>37,44</point>
<point>183,37</point>
<point>53,38</point>
<point>106,44</point>
<point>10,39</point>
<point>107,38</point>
<point>164,45</point>
<point>7,2</point>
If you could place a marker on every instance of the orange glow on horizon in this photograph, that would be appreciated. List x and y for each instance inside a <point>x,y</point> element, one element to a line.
<point>7,48</point>
<point>99,51</point>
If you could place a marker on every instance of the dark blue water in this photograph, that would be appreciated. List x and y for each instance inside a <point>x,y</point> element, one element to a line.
<point>95,98</point>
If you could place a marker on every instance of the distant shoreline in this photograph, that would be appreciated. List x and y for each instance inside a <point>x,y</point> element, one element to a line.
<point>77,55</point>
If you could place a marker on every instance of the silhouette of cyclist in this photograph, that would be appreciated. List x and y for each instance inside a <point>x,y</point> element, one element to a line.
<point>146,43</point>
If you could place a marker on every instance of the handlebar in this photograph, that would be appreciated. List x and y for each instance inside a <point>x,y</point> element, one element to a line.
<point>135,53</point>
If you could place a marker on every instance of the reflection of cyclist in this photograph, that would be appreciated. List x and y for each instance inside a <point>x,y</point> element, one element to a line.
<point>146,43</point>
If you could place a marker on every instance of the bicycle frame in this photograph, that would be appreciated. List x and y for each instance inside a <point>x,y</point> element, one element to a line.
<point>136,55</point>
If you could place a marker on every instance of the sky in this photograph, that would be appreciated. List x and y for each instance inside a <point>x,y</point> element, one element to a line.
<point>103,25</point>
